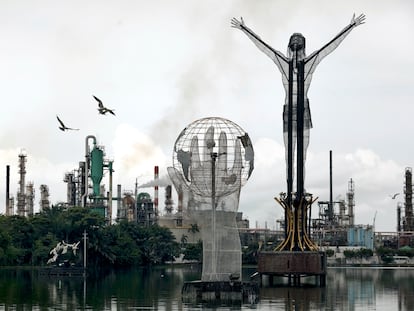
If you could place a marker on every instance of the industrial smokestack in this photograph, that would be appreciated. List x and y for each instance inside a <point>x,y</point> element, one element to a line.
<point>330,213</point>
<point>351,202</point>
<point>110,193</point>
<point>118,201</point>
<point>21,195</point>
<point>8,211</point>
<point>408,191</point>
<point>180,201</point>
<point>87,168</point>
<point>168,199</point>
<point>399,207</point>
<point>156,190</point>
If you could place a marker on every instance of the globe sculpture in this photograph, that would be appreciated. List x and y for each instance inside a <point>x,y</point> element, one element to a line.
<point>212,159</point>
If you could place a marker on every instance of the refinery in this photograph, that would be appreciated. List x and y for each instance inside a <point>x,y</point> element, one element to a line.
<point>332,226</point>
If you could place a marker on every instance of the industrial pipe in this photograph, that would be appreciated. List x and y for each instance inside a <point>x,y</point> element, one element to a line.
<point>85,195</point>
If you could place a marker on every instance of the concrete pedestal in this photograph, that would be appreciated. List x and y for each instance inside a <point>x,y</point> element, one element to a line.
<point>293,265</point>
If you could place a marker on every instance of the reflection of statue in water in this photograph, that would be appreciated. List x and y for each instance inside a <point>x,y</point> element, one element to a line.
<point>212,159</point>
<point>297,70</point>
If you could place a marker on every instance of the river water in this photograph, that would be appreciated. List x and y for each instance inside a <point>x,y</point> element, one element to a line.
<point>159,288</point>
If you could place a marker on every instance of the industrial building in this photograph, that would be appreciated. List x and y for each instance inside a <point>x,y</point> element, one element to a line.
<point>25,192</point>
<point>334,225</point>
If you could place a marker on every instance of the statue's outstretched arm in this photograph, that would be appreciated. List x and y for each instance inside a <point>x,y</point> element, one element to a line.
<point>314,59</point>
<point>279,59</point>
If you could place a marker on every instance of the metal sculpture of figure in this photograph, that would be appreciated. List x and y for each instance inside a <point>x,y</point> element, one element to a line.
<point>297,70</point>
<point>62,248</point>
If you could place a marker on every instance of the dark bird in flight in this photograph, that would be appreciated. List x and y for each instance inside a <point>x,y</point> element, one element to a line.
<point>63,127</point>
<point>393,196</point>
<point>101,108</point>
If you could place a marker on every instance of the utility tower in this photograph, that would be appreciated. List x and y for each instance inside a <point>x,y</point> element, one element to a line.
<point>351,202</point>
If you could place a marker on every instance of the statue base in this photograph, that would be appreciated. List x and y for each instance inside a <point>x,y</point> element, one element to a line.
<point>232,292</point>
<point>63,271</point>
<point>293,265</point>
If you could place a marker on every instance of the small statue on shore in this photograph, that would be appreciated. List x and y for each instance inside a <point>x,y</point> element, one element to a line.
<point>62,248</point>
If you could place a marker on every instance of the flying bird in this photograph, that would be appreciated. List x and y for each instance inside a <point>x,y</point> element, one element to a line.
<point>101,108</point>
<point>393,196</point>
<point>63,127</point>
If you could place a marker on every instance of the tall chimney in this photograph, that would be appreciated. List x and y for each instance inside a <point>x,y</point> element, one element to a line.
<point>8,211</point>
<point>399,208</point>
<point>118,202</point>
<point>156,190</point>
<point>21,195</point>
<point>180,200</point>
<point>330,209</point>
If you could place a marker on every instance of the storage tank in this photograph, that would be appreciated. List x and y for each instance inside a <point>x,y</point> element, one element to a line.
<point>96,169</point>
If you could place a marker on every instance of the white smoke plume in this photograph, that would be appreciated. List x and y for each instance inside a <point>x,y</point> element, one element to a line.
<point>164,181</point>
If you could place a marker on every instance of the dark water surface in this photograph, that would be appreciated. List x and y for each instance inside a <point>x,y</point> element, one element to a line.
<point>159,288</point>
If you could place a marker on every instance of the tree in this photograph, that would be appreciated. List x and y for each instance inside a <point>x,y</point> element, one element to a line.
<point>405,251</point>
<point>21,232</point>
<point>193,228</point>
<point>29,240</point>
<point>194,251</point>
<point>385,251</point>
<point>160,246</point>
<point>330,252</point>
<point>5,245</point>
<point>42,247</point>
<point>365,253</point>
<point>184,239</point>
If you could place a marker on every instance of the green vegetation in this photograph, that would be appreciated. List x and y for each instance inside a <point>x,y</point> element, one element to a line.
<point>28,241</point>
<point>193,251</point>
<point>330,252</point>
<point>387,253</point>
<point>360,253</point>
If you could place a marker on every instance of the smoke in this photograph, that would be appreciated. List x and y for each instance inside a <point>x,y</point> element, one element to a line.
<point>136,154</point>
<point>164,181</point>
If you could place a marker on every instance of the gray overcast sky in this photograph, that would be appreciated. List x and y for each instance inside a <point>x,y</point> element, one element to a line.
<point>163,64</point>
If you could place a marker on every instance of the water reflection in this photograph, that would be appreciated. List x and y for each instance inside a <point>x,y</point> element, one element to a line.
<point>159,288</point>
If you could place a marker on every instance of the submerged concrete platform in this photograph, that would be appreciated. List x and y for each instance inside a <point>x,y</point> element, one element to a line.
<point>293,265</point>
<point>63,271</point>
<point>201,291</point>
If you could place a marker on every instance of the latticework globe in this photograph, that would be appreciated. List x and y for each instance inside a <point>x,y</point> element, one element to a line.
<point>232,167</point>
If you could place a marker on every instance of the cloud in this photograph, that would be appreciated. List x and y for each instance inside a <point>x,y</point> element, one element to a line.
<point>374,179</point>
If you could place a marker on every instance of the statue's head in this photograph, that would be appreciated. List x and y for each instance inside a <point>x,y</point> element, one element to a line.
<point>297,42</point>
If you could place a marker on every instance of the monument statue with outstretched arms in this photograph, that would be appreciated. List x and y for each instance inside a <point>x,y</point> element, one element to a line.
<point>297,70</point>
